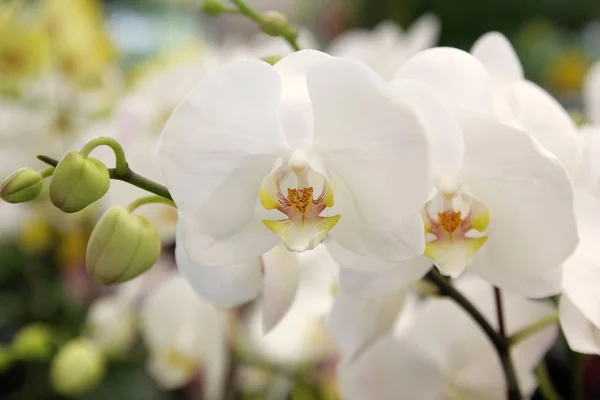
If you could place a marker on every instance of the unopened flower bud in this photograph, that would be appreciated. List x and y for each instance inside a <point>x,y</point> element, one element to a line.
<point>78,368</point>
<point>78,182</point>
<point>274,23</point>
<point>22,185</point>
<point>33,342</point>
<point>122,247</point>
<point>213,7</point>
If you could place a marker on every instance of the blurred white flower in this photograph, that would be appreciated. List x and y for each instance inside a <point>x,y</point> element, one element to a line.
<point>302,336</point>
<point>387,47</point>
<point>185,336</point>
<point>112,322</point>
<point>441,353</point>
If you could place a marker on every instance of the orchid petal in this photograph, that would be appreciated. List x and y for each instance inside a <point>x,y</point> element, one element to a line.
<point>591,94</point>
<point>280,283</point>
<point>224,286</point>
<point>580,332</point>
<point>249,243</point>
<point>423,33</point>
<point>379,148</point>
<point>441,126</point>
<point>388,369</point>
<point>582,270</point>
<point>497,54</point>
<point>542,116</point>
<point>219,144</point>
<point>357,323</point>
<point>459,78</point>
<point>295,113</point>
<point>532,228</point>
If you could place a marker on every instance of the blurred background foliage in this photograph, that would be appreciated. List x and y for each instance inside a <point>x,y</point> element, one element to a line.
<point>42,277</point>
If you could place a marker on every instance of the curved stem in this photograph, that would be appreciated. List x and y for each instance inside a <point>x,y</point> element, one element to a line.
<point>532,329</point>
<point>121,161</point>
<point>500,343</point>
<point>129,176</point>
<point>148,200</point>
<point>547,389</point>
<point>500,312</point>
<point>246,10</point>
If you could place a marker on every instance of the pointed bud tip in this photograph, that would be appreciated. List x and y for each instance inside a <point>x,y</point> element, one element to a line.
<point>21,186</point>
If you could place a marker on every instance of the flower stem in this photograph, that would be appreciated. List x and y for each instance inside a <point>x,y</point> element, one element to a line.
<point>128,176</point>
<point>499,342</point>
<point>500,312</point>
<point>148,200</point>
<point>121,161</point>
<point>246,10</point>
<point>547,389</point>
<point>532,329</point>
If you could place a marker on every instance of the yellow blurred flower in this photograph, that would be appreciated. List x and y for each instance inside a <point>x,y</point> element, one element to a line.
<point>24,48</point>
<point>567,73</point>
<point>36,235</point>
<point>79,40</point>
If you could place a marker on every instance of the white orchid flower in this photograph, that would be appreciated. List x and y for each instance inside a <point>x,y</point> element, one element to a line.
<point>387,46</point>
<point>255,155</point>
<point>417,362</point>
<point>111,324</point>
<point>185,336</point>
<point>267,161</point>
<point>580,303</point>
<point>495,187</point>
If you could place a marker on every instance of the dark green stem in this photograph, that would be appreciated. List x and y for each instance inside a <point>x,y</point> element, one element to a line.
<point>499,342</point>
<point>126,176</point>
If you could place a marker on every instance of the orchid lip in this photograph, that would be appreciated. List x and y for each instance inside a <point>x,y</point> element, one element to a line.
<point>304,227</point>
<point>455,230</point>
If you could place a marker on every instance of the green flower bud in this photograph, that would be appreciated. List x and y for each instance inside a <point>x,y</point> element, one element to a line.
<point>33,342</point>
<point>6,358</point>
<point>78,182</point>
<point>274,23</point>
<point>213,7</point>
<point>22,185</point>
<point>122,247</point>
<point>78,368</point>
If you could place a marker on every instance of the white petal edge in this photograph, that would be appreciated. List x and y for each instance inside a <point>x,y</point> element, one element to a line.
<point>279,285</point>
<point>499,57</point>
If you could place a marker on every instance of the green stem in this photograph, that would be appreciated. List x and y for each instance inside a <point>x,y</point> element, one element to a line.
<point>547,389</point>
<point>121,161</point>
<point>246,10</point>
<point>148,200</point>
<point>534,328</point>
<point>500,343</point>
<point>129,176</point>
